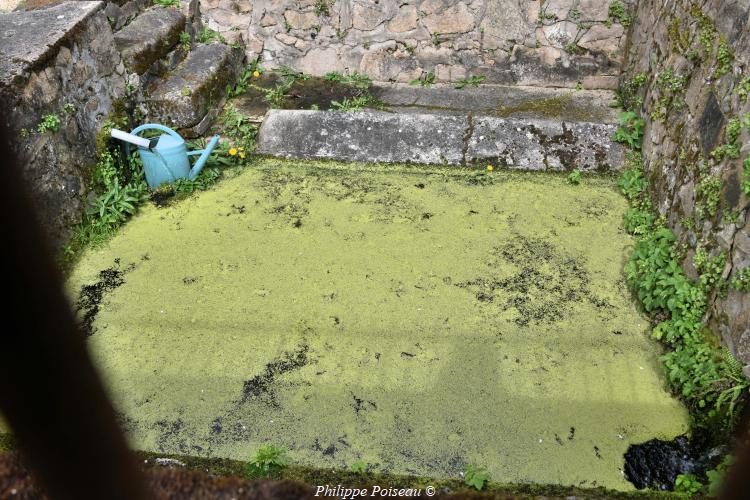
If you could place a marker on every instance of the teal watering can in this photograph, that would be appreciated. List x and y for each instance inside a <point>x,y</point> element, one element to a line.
<point>165,158</point>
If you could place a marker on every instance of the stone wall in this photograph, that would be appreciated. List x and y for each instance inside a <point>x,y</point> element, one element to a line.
<point>694,59</point>
<point>527,42</point>
<point>61,64</point>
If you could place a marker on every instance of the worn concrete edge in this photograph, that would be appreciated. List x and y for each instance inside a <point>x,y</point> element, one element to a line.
<point>276,118</point>
<point>11,80</point>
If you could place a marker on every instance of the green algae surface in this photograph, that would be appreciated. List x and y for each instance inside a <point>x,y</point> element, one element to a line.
<point>417,319</point>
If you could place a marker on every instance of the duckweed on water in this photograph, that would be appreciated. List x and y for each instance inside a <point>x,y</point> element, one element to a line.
<point>416,319</point>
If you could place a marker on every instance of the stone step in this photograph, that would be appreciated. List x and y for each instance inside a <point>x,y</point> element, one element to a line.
<point>193,94</point>
<point>430,138</point>
<point>121,12</point>
<point>149,37</point>
<point>501,101</point>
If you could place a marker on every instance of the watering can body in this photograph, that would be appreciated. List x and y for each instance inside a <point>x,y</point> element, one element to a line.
<point>166,159</point>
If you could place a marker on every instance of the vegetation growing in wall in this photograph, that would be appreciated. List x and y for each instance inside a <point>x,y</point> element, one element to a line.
<point>671,87</point>
<point>425,81</point>
<point>207,35</point>
<point>724,59</point>
<point>618,12</point>
<point>322,8</point>
<point>708,195</point>
<point>627,93</point>
<point>355,79</point>
<point>630,131</point>
<point>352,104</point>
<point>743,89</point>
<point>185,42</point>
<point>473,81</point>
<point>706,32</point>
<point>49,123</point>
<point>705,376</point>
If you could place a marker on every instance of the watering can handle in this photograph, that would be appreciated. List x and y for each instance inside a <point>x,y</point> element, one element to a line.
<point>148,126</point>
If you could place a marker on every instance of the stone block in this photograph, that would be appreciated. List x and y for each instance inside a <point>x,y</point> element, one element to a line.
<point>363,136</point>
<point>195,88</point>
<point>544,145</point>
<point>151,36</point>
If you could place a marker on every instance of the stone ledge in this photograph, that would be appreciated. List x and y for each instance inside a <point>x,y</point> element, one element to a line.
<point>374,136</point>
<point>502,101</point>
<point>534,144</point>
<point>29,38</point>
<point>363,136</point>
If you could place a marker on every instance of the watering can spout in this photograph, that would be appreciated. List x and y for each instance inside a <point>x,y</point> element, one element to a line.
<point>205,153</point>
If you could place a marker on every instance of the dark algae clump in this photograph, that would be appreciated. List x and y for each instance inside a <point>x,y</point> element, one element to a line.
<point>91,295</point>
<point>656,464</point>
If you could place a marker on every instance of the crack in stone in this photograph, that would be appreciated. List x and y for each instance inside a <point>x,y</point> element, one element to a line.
<point>467,137</point>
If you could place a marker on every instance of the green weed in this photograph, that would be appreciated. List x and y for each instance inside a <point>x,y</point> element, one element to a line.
<point>354,104</point>
<point>619,13</point>
<point>207,35</point>
<point>425,81</point>
<point>49,123</point>
<point>708,196</point>
<point>185,42</point>
<point>244,82</point>
<point>354,79</point>
<point>671,86</point>
<point>707,378</point>
<point>167,3</point>
<point>205,179</point>
<point>639,222</point>
<point>741,281</point>
<point>632,183</point>
<point>472,80</point>
<point>268,460</point>
<point>322,8</point>
<point>573,48</point>
<point>359,467</point>
<point>687,483</point>
<point>574,177</point>
<point>630,130</point>
<point>743,89</point>
<point>475,477</point>
<point>731,148</point>
<point>724,59</point>
<point>238,126</point>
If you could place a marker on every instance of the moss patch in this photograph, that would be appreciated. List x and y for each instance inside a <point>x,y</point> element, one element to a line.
<point>418,319</point>
<point>553,107</point>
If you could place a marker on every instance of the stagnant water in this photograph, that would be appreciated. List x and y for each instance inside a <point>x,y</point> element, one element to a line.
<point>418,319</point>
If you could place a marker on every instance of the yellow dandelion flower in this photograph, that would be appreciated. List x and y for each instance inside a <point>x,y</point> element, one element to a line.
<point>241,148</point>
<point>490,168</point>
<point>256,73</point>
<point>233,151</point>
<point>242,156</point>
